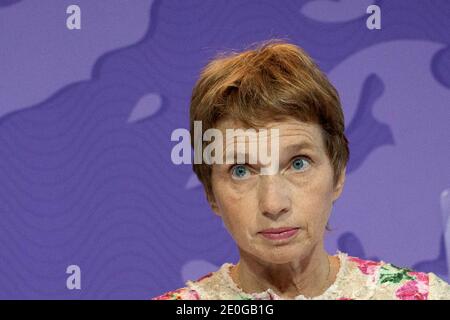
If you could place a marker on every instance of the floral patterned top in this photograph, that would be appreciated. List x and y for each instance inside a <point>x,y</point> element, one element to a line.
<point>357,279</point>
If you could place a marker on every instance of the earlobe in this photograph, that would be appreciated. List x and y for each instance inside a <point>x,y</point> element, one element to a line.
<point>213,204</point>
<point>340,185</point>
<point>215,209</point>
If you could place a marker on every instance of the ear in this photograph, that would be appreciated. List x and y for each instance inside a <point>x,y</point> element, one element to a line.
<point>213,203</point>
<point>339,185</point>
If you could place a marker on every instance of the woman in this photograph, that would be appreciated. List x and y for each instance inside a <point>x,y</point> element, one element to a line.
<point>278,220</point>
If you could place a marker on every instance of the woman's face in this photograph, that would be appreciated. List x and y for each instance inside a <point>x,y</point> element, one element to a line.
<point>299,195</point>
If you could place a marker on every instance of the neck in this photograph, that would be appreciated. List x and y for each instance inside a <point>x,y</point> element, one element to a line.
<point>309,276</point>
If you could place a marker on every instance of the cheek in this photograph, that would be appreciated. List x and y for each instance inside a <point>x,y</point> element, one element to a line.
<point>238,210</point>
<point>230,194</point>
<point>237,207</point>
<point>312,200</point>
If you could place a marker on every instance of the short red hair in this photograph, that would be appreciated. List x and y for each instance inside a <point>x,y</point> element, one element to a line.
<point>274,81</point>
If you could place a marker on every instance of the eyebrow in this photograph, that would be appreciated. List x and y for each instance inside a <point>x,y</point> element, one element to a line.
<point>300,146</point>
<point>295,147</point>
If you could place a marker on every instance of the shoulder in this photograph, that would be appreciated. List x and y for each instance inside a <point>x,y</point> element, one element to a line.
<point>439,289</point>
<point>184,293</point>
<point>387,281</point>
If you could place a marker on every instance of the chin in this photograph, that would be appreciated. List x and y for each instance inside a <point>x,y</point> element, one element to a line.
<point>281,254</point>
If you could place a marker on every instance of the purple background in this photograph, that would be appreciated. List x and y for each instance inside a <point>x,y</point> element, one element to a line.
<point>86,117</point>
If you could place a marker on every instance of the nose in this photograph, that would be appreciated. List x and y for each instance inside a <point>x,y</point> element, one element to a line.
<point>274,196</point>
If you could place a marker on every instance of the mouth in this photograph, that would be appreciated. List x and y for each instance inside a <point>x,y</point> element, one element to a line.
<point>279,233</point>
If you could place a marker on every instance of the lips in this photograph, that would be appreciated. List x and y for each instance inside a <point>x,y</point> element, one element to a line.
<point>278,230</point>
<point>279,233</point>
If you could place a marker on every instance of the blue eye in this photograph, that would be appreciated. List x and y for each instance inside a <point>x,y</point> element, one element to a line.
<point>298,164</point>
<point>239,172</point>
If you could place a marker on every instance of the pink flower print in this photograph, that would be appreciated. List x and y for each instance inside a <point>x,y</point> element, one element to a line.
<point>193,295</point>
<point>366,266</point>
<point>419,276</point>
<point>171,295</point>
<point>412,290</point>
<point>422,282</point>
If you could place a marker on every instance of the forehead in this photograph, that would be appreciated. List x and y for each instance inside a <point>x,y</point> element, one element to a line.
<point>289,131</point>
